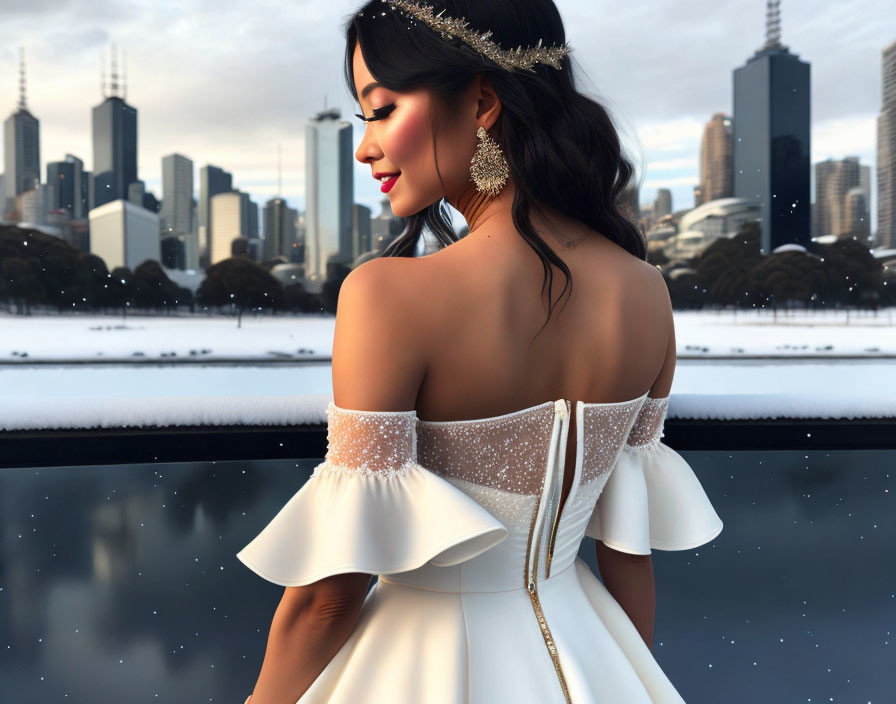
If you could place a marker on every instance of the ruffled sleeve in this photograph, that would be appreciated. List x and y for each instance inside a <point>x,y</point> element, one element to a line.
<point>652,498</point>
<point>370,507</point>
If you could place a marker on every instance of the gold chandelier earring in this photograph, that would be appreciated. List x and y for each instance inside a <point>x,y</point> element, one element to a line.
<point>488,167</point>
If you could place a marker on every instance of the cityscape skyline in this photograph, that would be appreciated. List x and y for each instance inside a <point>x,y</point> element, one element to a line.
<point>668,120</point>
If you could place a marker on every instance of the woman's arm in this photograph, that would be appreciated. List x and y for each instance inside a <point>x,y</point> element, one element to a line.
<point>378,362</point>
<point>309,627</point>
<point>629,579</point>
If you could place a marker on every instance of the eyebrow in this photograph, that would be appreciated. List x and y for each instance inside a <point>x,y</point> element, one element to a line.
<point>369,87</point>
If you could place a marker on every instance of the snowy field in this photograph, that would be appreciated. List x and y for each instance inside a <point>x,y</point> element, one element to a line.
<point>71,372</point>
<point>199,339</point>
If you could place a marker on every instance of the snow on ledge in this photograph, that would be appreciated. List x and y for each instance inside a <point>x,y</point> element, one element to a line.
<point>135,396</point>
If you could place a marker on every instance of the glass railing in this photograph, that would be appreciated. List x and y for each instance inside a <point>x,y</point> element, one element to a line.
<point>121,580</point>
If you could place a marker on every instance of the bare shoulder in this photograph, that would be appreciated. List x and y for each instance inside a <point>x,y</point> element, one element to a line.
<point>643,282</point>
<point>403,282</point>
<point>378,356</point>
<point>659,303</point>
<point>655,285</point>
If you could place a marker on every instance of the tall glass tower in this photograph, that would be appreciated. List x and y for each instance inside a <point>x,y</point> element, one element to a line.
<point>771,138</point>
<point>886,151</point>
<point>329,194</point>
<point>114,143</point>
<point>21,150</point>
<point>212,181</point>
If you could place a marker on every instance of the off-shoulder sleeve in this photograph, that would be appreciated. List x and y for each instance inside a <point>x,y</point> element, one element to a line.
<point>370,507</point>
<point>652,498</point>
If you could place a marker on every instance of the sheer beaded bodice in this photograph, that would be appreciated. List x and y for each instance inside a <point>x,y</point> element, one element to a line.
<point>512,465</point>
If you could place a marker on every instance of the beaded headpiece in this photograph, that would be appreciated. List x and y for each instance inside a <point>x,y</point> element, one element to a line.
<point>508,59</point>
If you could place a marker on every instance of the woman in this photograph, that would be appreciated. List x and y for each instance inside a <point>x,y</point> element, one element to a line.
<point>448,473</point>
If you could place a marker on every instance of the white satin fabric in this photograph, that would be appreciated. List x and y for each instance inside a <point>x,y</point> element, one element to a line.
<point>414,645</point>
<point>340,522</point>
<point>450,620</point>
<point>652,499</point>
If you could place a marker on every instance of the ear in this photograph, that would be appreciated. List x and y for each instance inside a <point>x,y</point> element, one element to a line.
<point>488,103</point>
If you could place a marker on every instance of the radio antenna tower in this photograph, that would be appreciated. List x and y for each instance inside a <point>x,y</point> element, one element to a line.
<point>124,74</point>
<point>22,104</point>
<point>773,25</point>
<point>116,84</point>
<point>113,82</point>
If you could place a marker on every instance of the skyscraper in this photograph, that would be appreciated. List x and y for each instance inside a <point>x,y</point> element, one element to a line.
<point>212,181</point>
<point>662,206</point>
<point>248,215</point>
<point>385,227</point>
<point>81,186</point>
<point>855,214</point>
<point>61,176</point>
<point>886,152</point>
<point>227,211</point>
<point>833,180</point>
<point>177,195</point>
<point>70,186</point>
<point>114,142</point>
<point>771,138</point>
<point>176,213</point>
<point>865,183</point>
<point>280,236</point>
<point>717,159</point>
<point>253,220</point>
<point>329,194</point>
<point>21,149</point>
<point>361,216</point>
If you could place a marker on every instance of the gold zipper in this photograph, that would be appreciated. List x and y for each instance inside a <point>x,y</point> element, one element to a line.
<point>531,585</point>
<point>561,454</point>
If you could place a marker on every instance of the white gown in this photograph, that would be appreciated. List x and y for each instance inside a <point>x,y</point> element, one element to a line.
<point>481,597</point>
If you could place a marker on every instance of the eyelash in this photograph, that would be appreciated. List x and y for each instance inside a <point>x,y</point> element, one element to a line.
<point>378,113</point>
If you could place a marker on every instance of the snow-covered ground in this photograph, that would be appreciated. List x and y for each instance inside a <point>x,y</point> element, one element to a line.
<point>850,371</point>
<point>166,339</point>
<point>172,339</point>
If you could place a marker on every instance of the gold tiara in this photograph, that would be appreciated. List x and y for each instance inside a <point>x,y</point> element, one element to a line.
<point>457,27</point>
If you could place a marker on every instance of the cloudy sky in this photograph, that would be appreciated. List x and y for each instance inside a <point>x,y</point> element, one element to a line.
<point>224,82</point>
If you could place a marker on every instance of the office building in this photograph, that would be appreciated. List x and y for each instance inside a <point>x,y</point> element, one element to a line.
<point>124,234</point>
<point>716,159</point>
<point>228,217</point>
<point>114,125</point>
<point>329,195</point>
<point>21,151</point>
<point>280,235</point>
<point>176,213</point>
<point>886,152</point>
<point>856,215</point>
<point>833,180</point>
<point>662,206</point>
<point>772,140</point>
<point>71,186</point>
<point>212,181</point>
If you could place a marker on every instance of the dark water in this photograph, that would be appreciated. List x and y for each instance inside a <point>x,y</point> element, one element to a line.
<point>120,583</point>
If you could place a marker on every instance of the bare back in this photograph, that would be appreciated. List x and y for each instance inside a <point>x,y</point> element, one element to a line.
<point>480,304</point>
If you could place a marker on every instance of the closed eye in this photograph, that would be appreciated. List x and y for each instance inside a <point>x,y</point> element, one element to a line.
<point>378,113</point>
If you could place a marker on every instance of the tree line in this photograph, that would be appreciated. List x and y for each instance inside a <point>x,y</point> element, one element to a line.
<point>40,270</point>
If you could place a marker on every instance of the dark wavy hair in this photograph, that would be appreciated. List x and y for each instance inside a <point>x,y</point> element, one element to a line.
<point>545,125</point>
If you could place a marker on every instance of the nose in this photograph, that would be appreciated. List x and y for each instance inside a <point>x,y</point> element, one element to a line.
<point>368,150</point>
